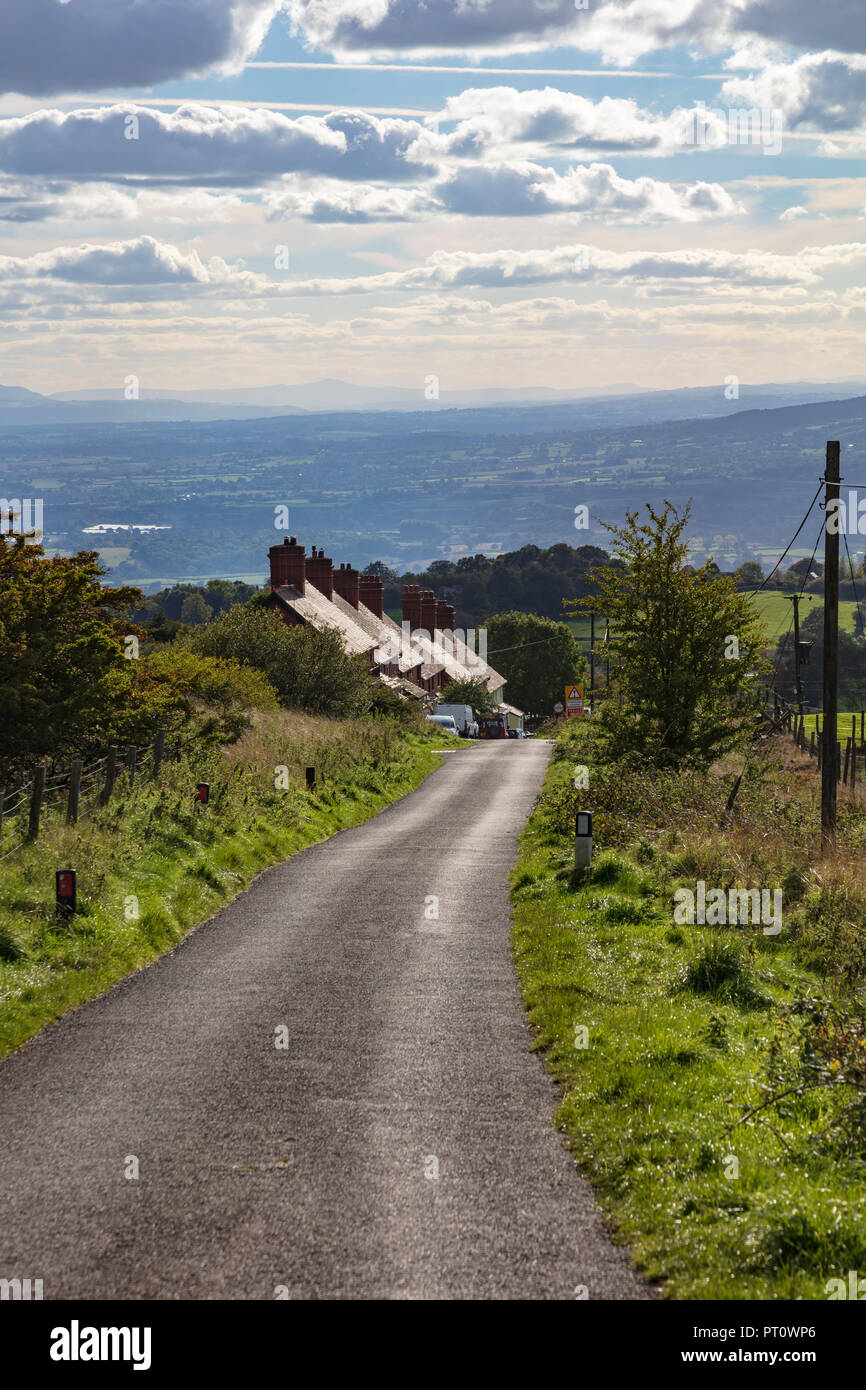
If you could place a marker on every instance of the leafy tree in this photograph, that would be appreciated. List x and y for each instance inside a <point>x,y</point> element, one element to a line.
<point>537,656</point>
<point>683,646</point>
<point>382,571</point>
<point>64,679</point>
<point>174,685</point>
<point>472,692</point>
<point>308,668</point>
<point>195,611</point>
<point>749,575</point>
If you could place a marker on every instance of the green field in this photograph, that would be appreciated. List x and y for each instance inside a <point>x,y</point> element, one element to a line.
<point>776,611</point>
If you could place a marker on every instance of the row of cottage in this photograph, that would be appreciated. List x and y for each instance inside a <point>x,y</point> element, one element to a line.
<point>417,657</point>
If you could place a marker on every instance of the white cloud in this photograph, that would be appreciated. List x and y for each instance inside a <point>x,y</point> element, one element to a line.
<point>621,30</point>
<point>216,145</point>
<point>582,264</point>
<point>545,121</point>
<point>139,263</point>
<point>593,192</point>
<point>326,201</point>
<point>821,91</point>
<point>48,47</point>
<point>792,214</point>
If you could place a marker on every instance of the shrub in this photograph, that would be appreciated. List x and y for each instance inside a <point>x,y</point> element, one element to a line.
<point>309,668</point>
<point>720,968</point>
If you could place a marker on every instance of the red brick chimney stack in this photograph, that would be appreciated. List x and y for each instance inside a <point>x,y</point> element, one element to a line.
<point>428,611</point>
<point>287,564</point>
<point>444,616</point>
<point>372,592</point>
<point>347,584</point>
<point>412,606</point>
<point>320,572</point>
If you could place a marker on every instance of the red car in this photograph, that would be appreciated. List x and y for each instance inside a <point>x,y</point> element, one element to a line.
<point>493,726</point>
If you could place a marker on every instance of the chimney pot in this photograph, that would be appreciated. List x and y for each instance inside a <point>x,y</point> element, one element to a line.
<point>320,572</point>
<point>347,584</point>
<point>287,564</point>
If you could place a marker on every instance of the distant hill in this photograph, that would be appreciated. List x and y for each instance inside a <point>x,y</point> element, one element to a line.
<point>478,411</point>
<point>195,499</point>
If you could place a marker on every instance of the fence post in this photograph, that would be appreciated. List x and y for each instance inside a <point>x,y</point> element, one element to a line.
<point>853,765</point>
<point>838,761</point>
<point>847,760</point>
<point>36,802</point>
<point>732,796</point>
<point>158,750</point>
<point>812,748</point>
<point>130,763</point>
<point>74,790</point>
<point>819,741</point>
<point>110,773</point>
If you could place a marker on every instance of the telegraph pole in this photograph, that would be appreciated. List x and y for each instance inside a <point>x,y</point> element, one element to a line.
<point>795,599</point>
<point>831,646</point>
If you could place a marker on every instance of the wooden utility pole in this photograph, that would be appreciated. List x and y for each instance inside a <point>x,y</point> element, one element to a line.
<point>831,644</point>
<point>795,599</point>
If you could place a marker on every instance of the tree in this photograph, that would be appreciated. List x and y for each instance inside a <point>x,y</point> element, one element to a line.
<point>382,571</point>
<point>538,658</point>
<point>195,611</point>
<point>64,678</point>
<point>308,668</point>
<point>749,575</point>
<point>472,692</point>
<point>684,647</point>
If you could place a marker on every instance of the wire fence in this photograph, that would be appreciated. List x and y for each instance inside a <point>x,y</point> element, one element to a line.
<point>850,748</point>
<point>82,788</point>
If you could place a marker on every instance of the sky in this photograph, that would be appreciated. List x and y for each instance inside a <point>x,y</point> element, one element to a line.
<point>578,194</point>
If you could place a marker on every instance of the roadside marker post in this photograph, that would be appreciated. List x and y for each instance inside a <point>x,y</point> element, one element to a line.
<point>65,892</point>
<point>583,839</point>
<point>202,795</point>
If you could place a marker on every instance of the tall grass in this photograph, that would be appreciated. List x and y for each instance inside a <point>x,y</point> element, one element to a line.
<point>716,1098</point>
<point>151,865</point>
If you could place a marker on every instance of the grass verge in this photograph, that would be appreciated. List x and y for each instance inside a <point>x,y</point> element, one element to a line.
<point>662,1035</point>
<point>150,867</point>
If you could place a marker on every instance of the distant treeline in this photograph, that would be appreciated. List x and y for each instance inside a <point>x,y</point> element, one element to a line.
<point>529,580</point>
<point>192,604</point>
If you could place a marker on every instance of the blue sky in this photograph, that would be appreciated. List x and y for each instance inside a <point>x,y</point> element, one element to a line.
<point>597,213</point>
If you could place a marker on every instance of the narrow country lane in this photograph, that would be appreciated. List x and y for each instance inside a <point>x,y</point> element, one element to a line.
<point>313,1166</point>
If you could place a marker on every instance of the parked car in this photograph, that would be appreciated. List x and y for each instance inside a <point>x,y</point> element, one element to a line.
<point>446,722</point>
<point>463,717</point>
<point>493,726</point>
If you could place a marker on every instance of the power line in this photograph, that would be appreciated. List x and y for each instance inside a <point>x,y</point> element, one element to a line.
<point>790,543</point>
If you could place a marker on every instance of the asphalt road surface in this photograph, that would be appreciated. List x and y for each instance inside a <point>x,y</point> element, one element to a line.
<point>327,1091</point>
